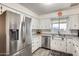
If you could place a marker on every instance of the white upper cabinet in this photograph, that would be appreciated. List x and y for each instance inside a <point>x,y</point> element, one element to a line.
<point>73,22</point>
<point>14,20</point>
<point>41,24</point>
<point>45,24</point>
<point>35,23</point>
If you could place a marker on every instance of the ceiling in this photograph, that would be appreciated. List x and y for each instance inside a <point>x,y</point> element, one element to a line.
<point>41,8</point>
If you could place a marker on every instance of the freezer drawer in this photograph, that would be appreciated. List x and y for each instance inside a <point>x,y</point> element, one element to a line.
<point>24,52</point>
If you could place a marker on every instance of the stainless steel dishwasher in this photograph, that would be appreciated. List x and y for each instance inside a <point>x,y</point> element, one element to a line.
<point>46,41</point>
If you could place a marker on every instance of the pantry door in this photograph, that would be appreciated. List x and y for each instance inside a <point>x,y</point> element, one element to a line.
<point>2,34</point>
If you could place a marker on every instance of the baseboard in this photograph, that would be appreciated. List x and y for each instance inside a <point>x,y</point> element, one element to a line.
<point>45,48</point>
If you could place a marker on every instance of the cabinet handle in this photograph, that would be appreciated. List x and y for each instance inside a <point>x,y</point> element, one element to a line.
<point>62,38</point>
<point>75,51</point>
<point>77,45</point>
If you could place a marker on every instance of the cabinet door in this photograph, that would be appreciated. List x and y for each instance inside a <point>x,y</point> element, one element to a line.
<point>53,44</point>
<point>57,42</point>
<point>3,34</point>
<point>76,47</point>
<point>57,45</point>
<point>63,45</point>
<point>14,20</point>
<point>45,24</point>
<point>70,46</point>
<point>76,50</point>
<point>35,24</point>
<point>36,42</point>
<point>74,22</point>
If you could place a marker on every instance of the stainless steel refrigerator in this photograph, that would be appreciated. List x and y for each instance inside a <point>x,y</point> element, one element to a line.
<point>26,36</point>
<point>20,38</point>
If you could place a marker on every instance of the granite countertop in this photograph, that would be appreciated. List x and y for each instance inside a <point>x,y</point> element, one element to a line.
<point>51,33</point>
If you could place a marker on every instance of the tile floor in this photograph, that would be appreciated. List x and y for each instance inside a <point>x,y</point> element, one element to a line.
<point>45,52</point>
<point>41,52</point>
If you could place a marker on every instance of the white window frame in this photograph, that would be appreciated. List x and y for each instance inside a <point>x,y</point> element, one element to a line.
<point>57,22</point>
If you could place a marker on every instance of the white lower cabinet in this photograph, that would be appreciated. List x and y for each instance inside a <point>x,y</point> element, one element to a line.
<point>36,42</point>
<point>53,44</point>
<point>76,50</point>
<point>73,46</point>
<point>76,47</point>
<point>70,46</point>
<point>63,45</point>
<point>58,44</point>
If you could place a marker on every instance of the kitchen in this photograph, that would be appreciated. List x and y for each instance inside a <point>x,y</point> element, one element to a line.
<point>39,29</point>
